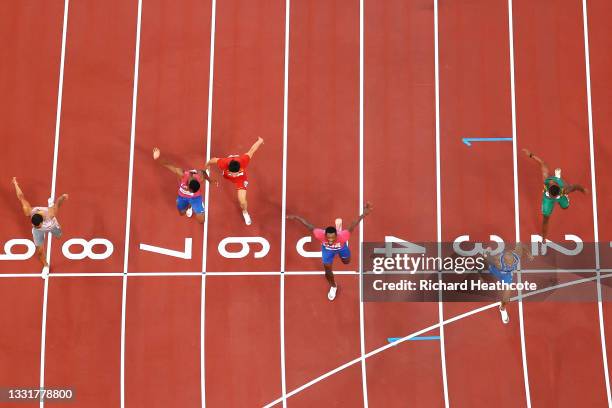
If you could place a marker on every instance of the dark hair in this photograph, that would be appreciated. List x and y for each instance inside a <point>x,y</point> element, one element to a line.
<point>554,190</point>
<point>234,166</point>
<point>194,185</point>
<point>37,219</point>
<point>331,230</point>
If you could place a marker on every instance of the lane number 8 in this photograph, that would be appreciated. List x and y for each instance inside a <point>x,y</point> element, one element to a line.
<point>87,248</point>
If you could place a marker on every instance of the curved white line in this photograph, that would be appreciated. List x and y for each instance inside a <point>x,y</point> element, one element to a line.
<point>425,330</point>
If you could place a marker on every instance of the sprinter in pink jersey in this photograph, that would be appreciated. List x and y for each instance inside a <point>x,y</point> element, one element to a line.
<point>189,199</point>
<point>334,241</point>
<point>43,220</point>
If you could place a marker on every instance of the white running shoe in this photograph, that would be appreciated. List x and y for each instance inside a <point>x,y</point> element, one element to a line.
<point>331,295</point>
<point>338,224</point>
<point>45,272</point>
<point>558,173</point>
<point>189,212</point>
<point>504,315</point>
<point>247,218</point>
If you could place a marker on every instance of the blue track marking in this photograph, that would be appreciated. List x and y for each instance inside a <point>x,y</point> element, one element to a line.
<point>468,140</point>
<point>394,339</point>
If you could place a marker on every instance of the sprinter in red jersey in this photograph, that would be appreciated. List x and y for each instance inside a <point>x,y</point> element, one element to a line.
<point>234,169</point>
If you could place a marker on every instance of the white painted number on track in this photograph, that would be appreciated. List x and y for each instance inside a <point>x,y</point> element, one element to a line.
<point>536,241</point>
<point>478,247</point>
<point>87,246</point>
<point>10,244</point>
<point>306,254</point>
<point>186,254</point>
<point>245,249</point>
<point>407,247</point>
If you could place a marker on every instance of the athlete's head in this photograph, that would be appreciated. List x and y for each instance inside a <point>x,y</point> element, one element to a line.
<point>554,190</point>
<point>234,166</point>
<point>508,257</point>
<point>194,185</point>
<point>37,219</point>
<point>331,234</point>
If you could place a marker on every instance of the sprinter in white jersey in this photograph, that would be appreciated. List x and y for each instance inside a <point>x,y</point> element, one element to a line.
<point>44,220</point>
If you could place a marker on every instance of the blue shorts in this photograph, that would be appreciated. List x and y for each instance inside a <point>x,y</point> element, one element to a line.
<point>502,276</point>
<point>328,254</point>
<point>196,204</point>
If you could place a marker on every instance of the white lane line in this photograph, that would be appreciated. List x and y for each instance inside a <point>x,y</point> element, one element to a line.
<point>43,338</point>
<point>123,313</point>
<point>152,274</point>
<point>21,275</point>
<point>211,77</point>
<point>439,200</point>
<point>418,333</point>
<point>602,331</point>
<point>284,199</point>
<point>270,273</point>
<point>364,378</point>
<point>516,198</point>
<point>58,116</point>
<point>128,217</point>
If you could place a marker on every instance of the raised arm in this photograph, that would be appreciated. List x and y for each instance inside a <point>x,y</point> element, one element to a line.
<point>212,161</point>
<point>163,162</point>
<point>367,209</point>
<point>523,250</point>
<point>53,211</point>
<point>576,187</point>
<point>255,146</point>
<point>204,174</point>
<point>543,166</point>
<point>25,205</point>
<point>302,220</point>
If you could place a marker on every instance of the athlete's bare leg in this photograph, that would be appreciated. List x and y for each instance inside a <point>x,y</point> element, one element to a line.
<point>40,251</point>
<point>329,274</point>
<point>505,298</point>
<point>545,220</point>
<point>242,200</point>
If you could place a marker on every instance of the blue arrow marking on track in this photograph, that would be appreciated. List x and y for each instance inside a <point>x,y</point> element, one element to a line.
<point>468,140</point>
<point>394,339</point>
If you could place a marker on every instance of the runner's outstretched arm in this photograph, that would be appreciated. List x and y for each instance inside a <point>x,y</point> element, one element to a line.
<point>523,250</point>
<point>575,187</point>
<point>366,211</point>
<point>53,211</point>
<point>255,146</point>
<point>25,205</point>
<point>212,161</point>
<point>302,220</point>
<point>204,174</point>
<point>174,169</point>
<point>543,166</point>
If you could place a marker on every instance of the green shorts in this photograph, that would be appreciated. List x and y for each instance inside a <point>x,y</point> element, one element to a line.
<point>548,204</point>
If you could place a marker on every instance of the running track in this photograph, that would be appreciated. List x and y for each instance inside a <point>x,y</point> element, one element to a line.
<point>88,88</point>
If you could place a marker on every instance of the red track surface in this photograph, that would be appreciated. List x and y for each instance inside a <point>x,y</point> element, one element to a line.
<point>481,364</point>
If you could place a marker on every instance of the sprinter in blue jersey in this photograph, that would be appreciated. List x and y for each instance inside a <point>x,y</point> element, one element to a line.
<point>502,266</point>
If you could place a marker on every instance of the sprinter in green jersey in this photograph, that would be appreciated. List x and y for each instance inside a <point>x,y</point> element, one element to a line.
<point>556,190</point>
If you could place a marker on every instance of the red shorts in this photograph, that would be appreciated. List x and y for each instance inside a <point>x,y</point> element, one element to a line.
<point>240,183</point>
